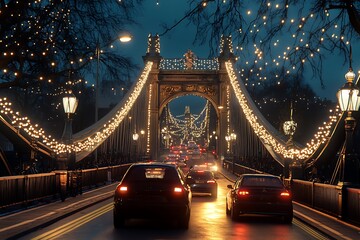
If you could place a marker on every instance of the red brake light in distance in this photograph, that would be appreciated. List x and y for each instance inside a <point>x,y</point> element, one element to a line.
<point>210,181</point>
<point>285,194</point>
<point>243,192</point>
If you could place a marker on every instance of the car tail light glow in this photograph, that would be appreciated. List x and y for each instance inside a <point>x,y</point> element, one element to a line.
<point>285,194</point>
<point>210,181</point>
<point>243,192</point>
<point>123,188</point>
<point>178,189</point>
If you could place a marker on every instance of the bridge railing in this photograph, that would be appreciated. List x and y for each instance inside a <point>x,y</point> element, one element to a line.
<point>23,190</point>
<point>337,200</point>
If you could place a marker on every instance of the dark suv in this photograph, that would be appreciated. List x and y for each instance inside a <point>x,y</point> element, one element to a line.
<point>152,190</point>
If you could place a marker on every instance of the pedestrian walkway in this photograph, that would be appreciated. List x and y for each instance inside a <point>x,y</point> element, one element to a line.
<point>17,224</point>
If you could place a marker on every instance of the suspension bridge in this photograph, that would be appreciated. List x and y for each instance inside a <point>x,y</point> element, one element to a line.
<point>229,110</point>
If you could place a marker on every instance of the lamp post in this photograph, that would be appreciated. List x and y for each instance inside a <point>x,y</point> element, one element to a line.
<point>135,137</point>
<point>142,139</point>
<point>348,97</point>
<point>123,38</point>
<point>230,139</point>
<point>70,103</point>
<point>289,128</point>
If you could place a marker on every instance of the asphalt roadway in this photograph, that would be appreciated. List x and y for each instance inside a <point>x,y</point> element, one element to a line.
<point>16,224</point>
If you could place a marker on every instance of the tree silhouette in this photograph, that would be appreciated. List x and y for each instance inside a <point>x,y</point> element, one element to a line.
<point>307,29</point>
<point>42,41</point>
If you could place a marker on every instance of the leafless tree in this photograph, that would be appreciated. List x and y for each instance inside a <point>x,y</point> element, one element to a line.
<point>310,28</point>
<point>41,42</point>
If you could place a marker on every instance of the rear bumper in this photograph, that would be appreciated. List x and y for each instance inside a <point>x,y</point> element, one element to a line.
<point>161,210</point>
<point>203,188</point>
<point>264,208</point>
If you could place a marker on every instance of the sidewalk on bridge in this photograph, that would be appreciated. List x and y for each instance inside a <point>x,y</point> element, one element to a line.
<point>15,225</point>
<point>331,226</point>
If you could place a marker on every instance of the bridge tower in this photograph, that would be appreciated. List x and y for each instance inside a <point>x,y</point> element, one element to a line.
<point>212,83</point>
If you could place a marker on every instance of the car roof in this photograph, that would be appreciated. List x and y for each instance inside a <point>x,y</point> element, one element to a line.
<point>258,175</point>
<point>153,164</point>
<point>199,171</point>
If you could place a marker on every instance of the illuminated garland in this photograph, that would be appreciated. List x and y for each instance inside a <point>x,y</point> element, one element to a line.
<point>260,130</point>
<point>90,142</point>
<point>197,128</point>
<point>93,141</point>
<point>179,64</point>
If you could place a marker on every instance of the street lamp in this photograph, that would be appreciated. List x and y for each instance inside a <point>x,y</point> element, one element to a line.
<point>123,38</point>
<point>70,103</point>
<point>348,97</point>
<point>135,137</point>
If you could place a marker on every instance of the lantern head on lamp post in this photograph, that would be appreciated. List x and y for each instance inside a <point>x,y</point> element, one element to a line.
<point>349,102</point>
<point>70,103</point>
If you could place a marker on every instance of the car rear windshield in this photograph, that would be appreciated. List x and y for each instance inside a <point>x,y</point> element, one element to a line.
<point>150,173</point>
<point>200,175</point>
<point>261,182</point>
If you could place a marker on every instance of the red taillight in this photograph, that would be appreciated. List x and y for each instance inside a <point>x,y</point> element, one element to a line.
<point>178,190</point>
<point>210,181</point>
<point>243,192</point>
<point>122,189</point>
<point>285,194</point>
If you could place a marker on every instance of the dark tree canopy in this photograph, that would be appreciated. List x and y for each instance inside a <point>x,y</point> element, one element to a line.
<point>42,41</point>
<point>305,30</point>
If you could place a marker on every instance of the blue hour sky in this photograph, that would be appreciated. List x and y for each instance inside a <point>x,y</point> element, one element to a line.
<point>175,43</point>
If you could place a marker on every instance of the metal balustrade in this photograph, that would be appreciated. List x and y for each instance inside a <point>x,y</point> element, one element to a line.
<point>23,189</point>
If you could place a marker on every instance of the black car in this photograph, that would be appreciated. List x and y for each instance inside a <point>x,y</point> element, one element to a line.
<point>202,181</point>
<point>152,190</point>
<point>259,194</point>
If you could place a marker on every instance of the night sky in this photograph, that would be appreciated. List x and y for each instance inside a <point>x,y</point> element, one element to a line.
<point>175,43</point>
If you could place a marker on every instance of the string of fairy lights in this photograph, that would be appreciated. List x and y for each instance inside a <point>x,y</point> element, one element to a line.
<point>90,142</point>
<point>258,63</point>
<point>179,64</point>
<point>183,125</point>
<point>264,134</point>
<point>296,43</point>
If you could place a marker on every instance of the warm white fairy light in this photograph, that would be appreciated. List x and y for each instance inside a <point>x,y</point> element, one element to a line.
<point>228,115</point>
<point>260,130</point>
<point>197,124</point>
<point>149,120</point>
<point>90,142</point>
<point>179,64</point>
